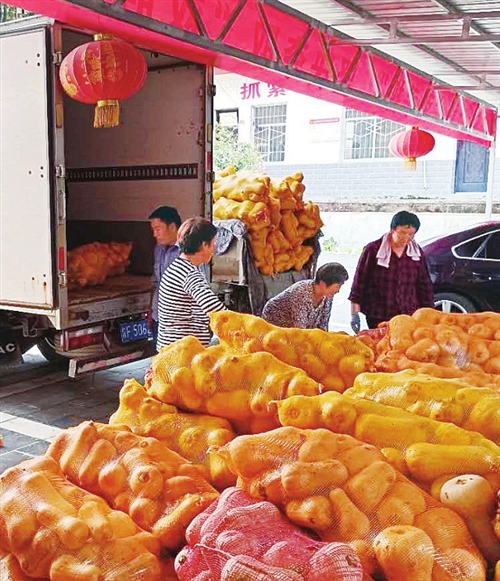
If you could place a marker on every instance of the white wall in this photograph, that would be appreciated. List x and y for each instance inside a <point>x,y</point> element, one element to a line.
<point>314,127</point>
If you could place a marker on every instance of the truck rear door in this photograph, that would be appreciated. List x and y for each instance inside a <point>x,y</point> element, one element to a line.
<point>27,177</point>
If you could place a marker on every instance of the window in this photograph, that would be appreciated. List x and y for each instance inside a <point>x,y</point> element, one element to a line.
<point>269,128</point>
<point>486,247</point>
<point>228,118</point>
<point>366,136</point>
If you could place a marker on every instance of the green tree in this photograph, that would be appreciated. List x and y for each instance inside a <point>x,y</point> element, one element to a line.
<point>8,13</point>
<point>228,150</point>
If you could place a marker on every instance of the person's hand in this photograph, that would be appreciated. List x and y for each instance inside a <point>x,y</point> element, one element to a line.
<point>355,322</point>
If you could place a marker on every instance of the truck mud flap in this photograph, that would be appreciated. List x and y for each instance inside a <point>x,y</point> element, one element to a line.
<point>10,351</point>
<point>92,364</point>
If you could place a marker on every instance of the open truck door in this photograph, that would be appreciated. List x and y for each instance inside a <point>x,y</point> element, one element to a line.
<point>30,235</point>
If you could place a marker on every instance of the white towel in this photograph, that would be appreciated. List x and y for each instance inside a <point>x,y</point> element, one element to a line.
<point>384,252</point>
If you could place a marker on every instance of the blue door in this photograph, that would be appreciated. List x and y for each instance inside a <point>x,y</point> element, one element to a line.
<point>471,167</point>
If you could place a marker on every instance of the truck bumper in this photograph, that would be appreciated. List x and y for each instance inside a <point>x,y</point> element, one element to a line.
<point>78,366</point>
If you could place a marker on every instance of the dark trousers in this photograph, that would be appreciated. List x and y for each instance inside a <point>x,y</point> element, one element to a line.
<point>373,323</point>
<point>154,330</point>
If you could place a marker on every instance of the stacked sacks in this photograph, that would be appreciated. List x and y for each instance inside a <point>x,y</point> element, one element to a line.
<point>58,531</point>
<point>426,450</point>
<point>346,492</point>
<point>188,434</point>
<point>91,264</point>
<point>221,382</point>
<point>278,220</point>
<point>161,491</point>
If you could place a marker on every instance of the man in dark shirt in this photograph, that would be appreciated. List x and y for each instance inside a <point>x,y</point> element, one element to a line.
<point>391,276</point>
<point>165,222</point>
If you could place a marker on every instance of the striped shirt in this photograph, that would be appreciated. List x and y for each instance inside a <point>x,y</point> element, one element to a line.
<point>164,256</point>
<point>184,301</point>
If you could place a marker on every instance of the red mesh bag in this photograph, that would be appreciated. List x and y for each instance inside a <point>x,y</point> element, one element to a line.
<point>239,538</point>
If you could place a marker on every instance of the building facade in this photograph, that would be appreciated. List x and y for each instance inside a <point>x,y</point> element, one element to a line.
<point>344,153</point>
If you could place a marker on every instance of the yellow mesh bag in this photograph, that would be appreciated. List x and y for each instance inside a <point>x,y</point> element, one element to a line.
<point>57,530</point>
<point>446,400</point>
<point>332,359</point>
<point>91,264</point>
<point>446,345</point>
<point>161,491</point>
<point>188,434</point>
<point>422,448</point>
<point>346,491</point>
<point>221,382</point>
<point>278,220</point>
<point>10,570</point>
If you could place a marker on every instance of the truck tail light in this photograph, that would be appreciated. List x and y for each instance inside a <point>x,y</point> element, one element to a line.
<point>79,338</point>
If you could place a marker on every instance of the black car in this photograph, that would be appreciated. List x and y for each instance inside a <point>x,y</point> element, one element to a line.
<point>465,268</point>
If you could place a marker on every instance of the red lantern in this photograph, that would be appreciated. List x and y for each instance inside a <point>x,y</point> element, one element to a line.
<point>411,144</point>
<point>103,72</point>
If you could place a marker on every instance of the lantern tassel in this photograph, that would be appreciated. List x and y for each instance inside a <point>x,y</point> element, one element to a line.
<point>410,164</point>
<point>107,114</point>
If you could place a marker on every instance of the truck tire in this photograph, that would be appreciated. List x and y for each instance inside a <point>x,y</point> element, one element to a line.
<point>453,303</point>
<point>48,350</point>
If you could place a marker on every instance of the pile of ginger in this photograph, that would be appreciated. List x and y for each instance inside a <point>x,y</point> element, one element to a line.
<point>277,218</point>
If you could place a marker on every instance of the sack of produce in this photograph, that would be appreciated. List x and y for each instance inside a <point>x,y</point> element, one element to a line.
<point>424,449</point>
<point>447,400</point>
<point>10,569</point>
<point>346,491</point>
<point>91,264</point>
<point>332,359</point>
<point>238,537</point>
<point>446,345</point>
<point>277,219</point>
<point>188,434</point>
<point>60,532</point>
<point>221,382</point>
<point>161,491</point>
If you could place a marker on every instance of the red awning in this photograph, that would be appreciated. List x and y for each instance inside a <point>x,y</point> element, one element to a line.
<point>268,41</point>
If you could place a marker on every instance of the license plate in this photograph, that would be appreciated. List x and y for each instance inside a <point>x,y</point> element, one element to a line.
<point>134,331</point>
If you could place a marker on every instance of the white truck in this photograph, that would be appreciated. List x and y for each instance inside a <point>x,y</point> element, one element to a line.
<point>64,184</point>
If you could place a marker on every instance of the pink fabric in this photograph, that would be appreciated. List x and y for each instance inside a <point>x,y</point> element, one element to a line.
<point>385,250</point>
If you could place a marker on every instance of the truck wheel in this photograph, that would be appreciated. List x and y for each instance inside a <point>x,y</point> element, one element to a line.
<point>453,303</point>
<point>47,348</point>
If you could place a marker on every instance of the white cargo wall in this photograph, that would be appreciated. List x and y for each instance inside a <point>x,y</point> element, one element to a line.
<point>163,123</point>
<point>26,269</point>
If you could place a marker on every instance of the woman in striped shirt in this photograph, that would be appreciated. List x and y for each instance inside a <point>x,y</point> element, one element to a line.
<point>185,297</point>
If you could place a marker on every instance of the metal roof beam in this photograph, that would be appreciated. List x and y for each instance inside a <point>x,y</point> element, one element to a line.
<point>311,61</point>
<point>356,20</point>
<point>421,39</point>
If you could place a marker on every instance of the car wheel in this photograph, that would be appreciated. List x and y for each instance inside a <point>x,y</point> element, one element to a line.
<point>47,348</point>
<point>453,303</point>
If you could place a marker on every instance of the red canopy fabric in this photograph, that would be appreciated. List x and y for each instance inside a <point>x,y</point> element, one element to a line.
<point>270,42</point>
